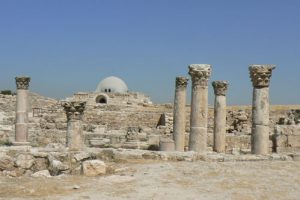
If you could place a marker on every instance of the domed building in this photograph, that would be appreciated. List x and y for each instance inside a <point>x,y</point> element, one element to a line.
<point>112,84</point>
<point>113,91</point>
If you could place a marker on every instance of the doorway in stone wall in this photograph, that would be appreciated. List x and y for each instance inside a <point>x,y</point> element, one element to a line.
<point>101,99</point>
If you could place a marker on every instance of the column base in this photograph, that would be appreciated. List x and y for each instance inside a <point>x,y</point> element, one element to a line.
<point>166,145</point>
<point>21,144</point>
<point>260,140</point>
<point>198,139</point>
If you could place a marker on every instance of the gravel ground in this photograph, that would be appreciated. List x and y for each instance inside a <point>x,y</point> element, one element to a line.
<point>168,180</point>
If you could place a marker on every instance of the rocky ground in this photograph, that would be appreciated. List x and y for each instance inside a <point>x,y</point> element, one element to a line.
<point>167,180</point>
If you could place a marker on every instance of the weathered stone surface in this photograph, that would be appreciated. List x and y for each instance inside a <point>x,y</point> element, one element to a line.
<point>260,76</point>
<point>166,145</point>
<point>57,167</point>
<point>94,168</point>
<point>43,173</point>
<point>260,140</point>
<point>40,164</point>
<point>287,138</point>
<point>220,88</point>
<point>296,157</point>
<point>21,126</point>
<point>293,141</point>
<point>200,73</point>
<point>22,83</point>
<point>239,141</point>
<point>260,110</point>
<point>15,173</point>
<point>24,161</point>
<point>179,113</point>
<point>6,163</point>
<point>57,146</point>
<point>74,109</point>
<point>82,156</point>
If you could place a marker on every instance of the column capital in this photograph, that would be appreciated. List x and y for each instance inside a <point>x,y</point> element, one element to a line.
<point>220,87</point>
<point>181,82</point>
<point>22,82</point>
<point>260,75</point>
<point>200,74</point>
<point>74,109</point>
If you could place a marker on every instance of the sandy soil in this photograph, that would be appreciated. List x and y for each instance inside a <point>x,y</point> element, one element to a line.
<point>168,180</point>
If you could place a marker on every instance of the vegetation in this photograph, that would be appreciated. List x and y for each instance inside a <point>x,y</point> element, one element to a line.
<point>7,92</point>
<point>5,143</point>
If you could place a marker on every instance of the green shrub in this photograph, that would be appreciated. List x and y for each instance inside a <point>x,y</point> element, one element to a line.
<point>6,92</point>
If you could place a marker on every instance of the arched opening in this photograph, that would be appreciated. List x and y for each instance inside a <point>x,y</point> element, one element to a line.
<point>101,99</point>
<point>107,90</point>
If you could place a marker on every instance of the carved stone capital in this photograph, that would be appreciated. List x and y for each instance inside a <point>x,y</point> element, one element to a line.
<point>220,87</point>
<point>200,74</point>
<point>181,82</point>
<point>260,75</point>
<point>22,83</point>
<point>74,109</point>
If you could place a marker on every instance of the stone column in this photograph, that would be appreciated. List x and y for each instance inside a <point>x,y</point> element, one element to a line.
<point>260,76</point>
<point>220,89</point>
<point>21,129</point>
<point>74,111</point>
<point>166,144</point>
<point>200,74</point>
<point>179,113</point>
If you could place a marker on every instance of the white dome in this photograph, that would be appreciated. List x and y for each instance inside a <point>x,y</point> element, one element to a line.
<point>112,84</point>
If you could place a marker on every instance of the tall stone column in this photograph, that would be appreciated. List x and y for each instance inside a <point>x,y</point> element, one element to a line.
<point>220,89</point>
<point>21,129</point>
<point>74,111</point>
<point>260,76</point>
<point>200,74</point>
<point>179,113</point>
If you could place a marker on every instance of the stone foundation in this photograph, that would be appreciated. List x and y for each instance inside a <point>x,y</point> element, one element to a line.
<point>27,161</point>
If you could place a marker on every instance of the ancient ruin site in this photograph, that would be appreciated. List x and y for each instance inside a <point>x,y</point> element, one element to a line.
<point>149,100</point>
<point>116,144</point>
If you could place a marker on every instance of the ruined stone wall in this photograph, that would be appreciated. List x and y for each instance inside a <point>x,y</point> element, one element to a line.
<point>49,125</point>
<point>131,98</point>
<point>121,117</point>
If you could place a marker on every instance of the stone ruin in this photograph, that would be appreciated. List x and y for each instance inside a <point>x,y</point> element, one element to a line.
<point>90,127</point>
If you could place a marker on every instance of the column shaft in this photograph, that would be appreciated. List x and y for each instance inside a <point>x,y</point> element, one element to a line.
<point>75,138</point>
<point>74,111</point>
<point>22,104</point>
<point>220,89</point>
<point>22,116</point>
<point>200,74</point>
<point>179,113</point>
<point>260,121</point>
<point>219,124</point>
<point>199,110</point>
<point>260,76</point>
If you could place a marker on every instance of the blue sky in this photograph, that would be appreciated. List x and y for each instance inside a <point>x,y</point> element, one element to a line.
<point>70,45</point>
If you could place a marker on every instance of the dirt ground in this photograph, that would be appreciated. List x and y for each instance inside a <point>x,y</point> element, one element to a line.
<point>168,180</point>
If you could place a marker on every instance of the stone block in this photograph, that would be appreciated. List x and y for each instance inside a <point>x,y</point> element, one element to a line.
<point>296,157</point>
<point>40,164</point>
<point>166,145</point>
<point>81,156</point>
<point>43,173</point>
<point>103,142</point>
<point>153,139</point>
<point>293,141</point>
<point>281,141</point>
<point>57,167</point>
<point>6,163</point>
<point>94,168</point>
<point>24,161</point>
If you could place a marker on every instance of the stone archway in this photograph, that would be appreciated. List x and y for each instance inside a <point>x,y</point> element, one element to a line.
<point>102,99</point>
